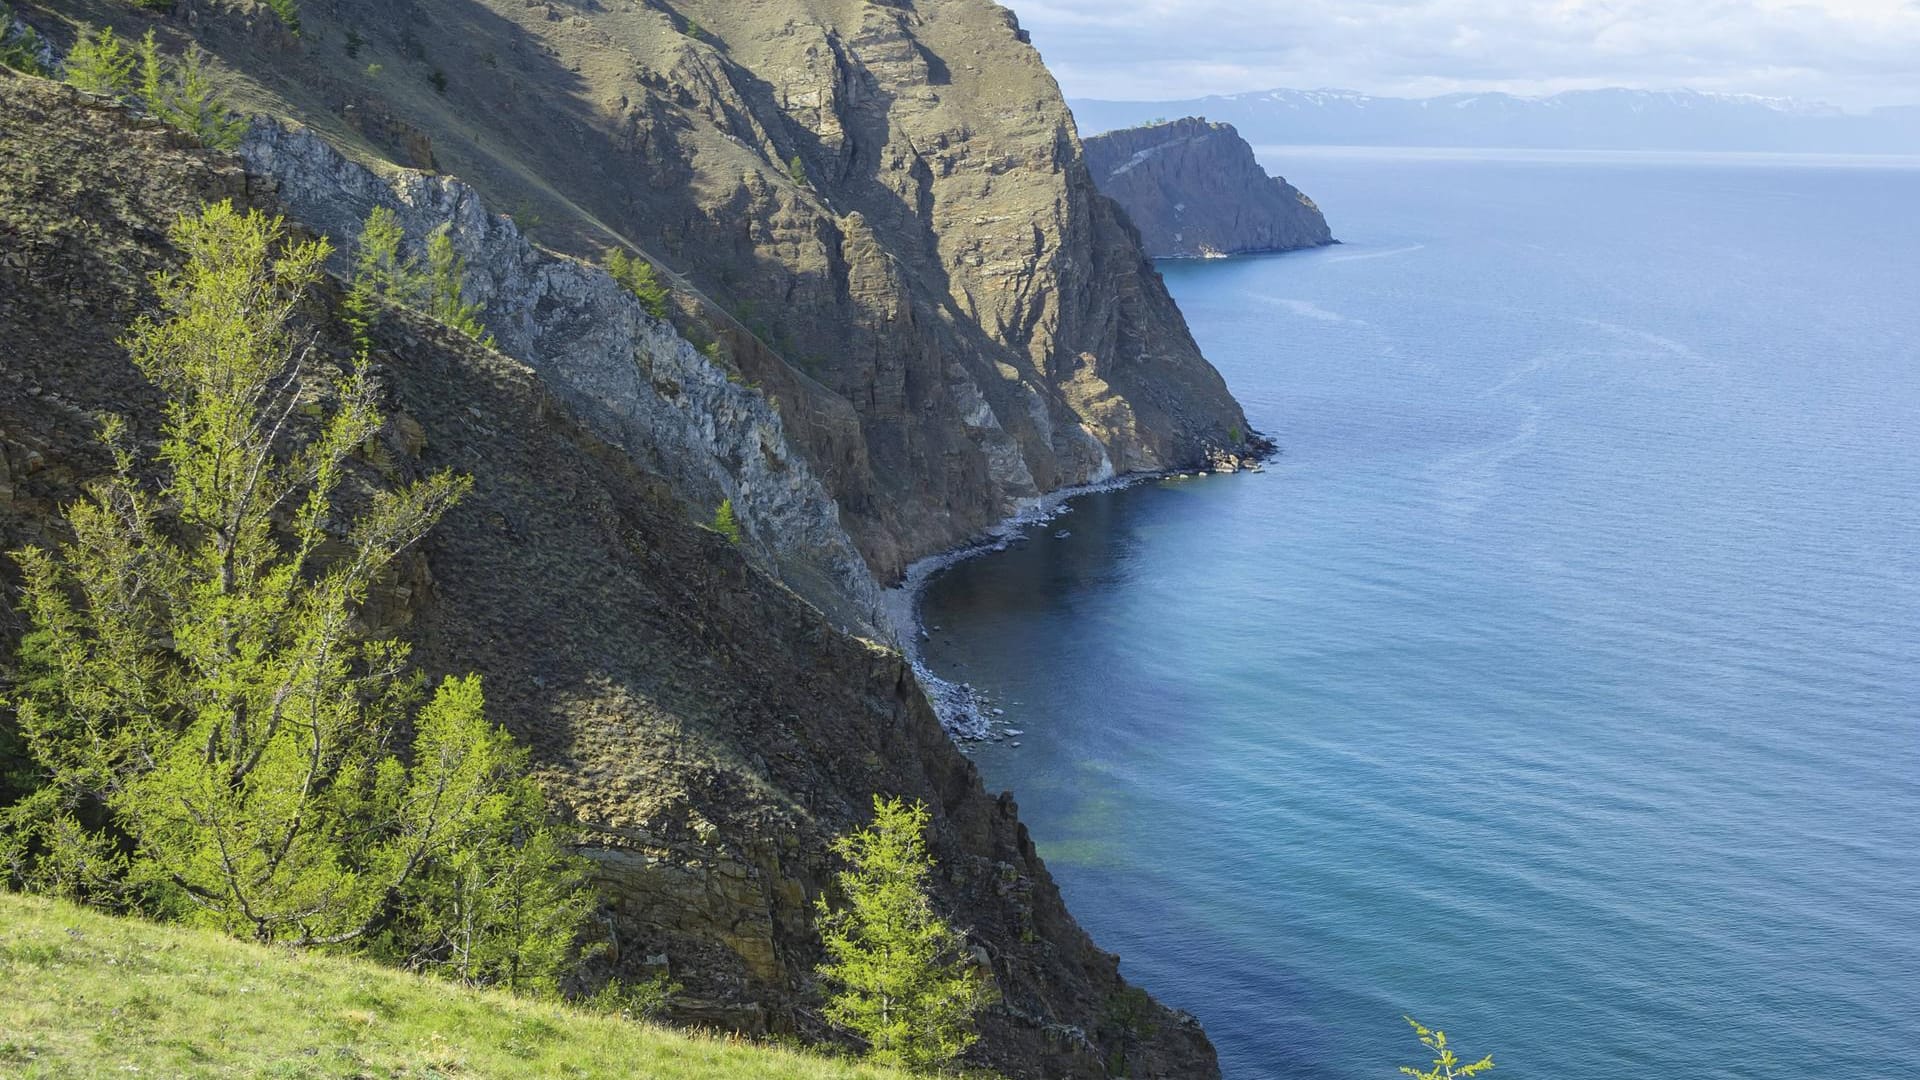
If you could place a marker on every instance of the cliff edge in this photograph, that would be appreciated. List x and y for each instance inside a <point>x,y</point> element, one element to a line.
<point>1194,189</point>
<point>881,210</point>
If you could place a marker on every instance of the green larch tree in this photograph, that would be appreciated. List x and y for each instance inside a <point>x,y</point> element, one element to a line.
<point>641,279</point>
<point>214,738</point>
<point>181,94</point>
<point>902,977</point>
<point>725,523</point>
<point>382,272</point>
<point>445,297</point>
<point>20,46</point>
<point>99,63</point>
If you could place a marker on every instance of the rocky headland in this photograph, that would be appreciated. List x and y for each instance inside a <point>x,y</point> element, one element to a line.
<point>1194,189</point>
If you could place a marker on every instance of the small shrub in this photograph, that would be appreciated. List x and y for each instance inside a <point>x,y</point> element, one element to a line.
<point>725,523</point>
<point>797,169</point>
<point>289,14</point>
<point>354,42</point>
<point>640,278</point>
<point>695,31</point>
<point>374,71</point>
<point>1446,1066</point>
<point>100,64</point>
<point>20,47</point>
<point>642,1002</point>
<point>439,80</point>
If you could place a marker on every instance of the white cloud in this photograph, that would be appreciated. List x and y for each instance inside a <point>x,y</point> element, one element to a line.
<point>1851,52</point>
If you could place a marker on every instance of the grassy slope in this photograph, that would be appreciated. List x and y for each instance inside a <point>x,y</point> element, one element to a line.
<point>85,994</point>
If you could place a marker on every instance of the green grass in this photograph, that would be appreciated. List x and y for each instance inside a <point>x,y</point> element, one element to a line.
<point>86,994</point>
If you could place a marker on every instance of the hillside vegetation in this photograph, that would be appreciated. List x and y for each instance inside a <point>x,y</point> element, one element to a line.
<point>92,995</point>
<point>707,732</point>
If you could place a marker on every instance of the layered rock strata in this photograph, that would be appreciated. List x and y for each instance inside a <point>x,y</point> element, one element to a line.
<point>630,376</point>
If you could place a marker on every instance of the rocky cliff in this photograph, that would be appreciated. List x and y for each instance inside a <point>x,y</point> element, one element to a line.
<point>881,208</point>
<point>677,411</point>
<point>707,728</point>
<point>1194,189</point>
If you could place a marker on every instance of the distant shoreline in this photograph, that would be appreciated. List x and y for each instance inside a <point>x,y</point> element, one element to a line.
<point>1590,155</point>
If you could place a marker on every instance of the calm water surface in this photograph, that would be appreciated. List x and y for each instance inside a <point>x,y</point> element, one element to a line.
<point>1560,683</point>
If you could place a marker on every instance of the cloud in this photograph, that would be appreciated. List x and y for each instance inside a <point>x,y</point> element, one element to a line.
<point>1851,52</point>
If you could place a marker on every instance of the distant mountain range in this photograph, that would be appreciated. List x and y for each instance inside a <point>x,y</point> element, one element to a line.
<point>1577,119</point>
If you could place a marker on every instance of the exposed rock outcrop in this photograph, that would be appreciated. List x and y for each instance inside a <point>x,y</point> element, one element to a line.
<point>887,200</point>
<point>707,730</point>
<point>630,376</point>
<point>1195,189</point>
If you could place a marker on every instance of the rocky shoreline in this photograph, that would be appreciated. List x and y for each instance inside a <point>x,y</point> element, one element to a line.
<point>967,712</point>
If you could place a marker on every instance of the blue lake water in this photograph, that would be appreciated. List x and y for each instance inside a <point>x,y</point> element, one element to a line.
<point>1560,682</point>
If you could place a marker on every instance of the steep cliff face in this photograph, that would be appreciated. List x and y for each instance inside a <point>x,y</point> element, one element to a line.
<point>631,377</point>
<point>1194,189</point>
<point>888,200</point>
<point>707,729</point>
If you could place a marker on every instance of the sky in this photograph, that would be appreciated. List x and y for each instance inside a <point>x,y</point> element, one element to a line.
<point>1851,53</point>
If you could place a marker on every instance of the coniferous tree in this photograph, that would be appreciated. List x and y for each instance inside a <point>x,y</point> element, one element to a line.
<point>904,983</point>
<point>289,14</point>
<point>446,298</point>
<point>100,64</point>
<point>382,272</point>
<point>213,738</point>
<point>153,74</point>
<point>181,94</point>
<point>725,523</point>
<point>640,278</point>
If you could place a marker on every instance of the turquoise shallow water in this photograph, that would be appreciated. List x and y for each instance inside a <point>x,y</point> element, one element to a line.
<point>1560,683</point>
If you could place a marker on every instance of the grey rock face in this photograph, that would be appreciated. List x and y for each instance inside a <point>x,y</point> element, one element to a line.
<point>630,377</point>
<point>1194,189</point>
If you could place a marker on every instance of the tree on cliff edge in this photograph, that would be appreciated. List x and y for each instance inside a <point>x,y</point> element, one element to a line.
<point>215,740</point>
<point>905,983</point>
<point>1446,1064</point>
